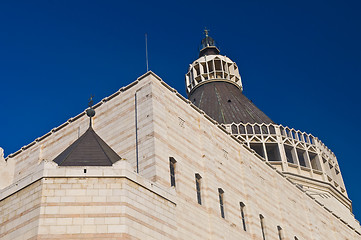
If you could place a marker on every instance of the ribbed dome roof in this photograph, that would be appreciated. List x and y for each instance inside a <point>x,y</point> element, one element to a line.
<point>225,103</point>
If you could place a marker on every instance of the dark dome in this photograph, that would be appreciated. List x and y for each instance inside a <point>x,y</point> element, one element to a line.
<point>225,103</point>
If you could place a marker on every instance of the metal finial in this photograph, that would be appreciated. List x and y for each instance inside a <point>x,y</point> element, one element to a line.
<point>90,103</point>
<point>206,32</point>
<point>90,111</point>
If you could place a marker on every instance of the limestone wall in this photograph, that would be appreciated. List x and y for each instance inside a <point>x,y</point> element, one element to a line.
<point>116,202</point>
<point>103,208</point>
<point>19,213</point>
<point>104,203</point>
<point>199,146</point>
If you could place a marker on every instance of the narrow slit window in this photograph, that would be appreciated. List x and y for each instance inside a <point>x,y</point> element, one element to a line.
<point>261,218</point>
<point>221,201</point>
<point>198,188</point>
<point>257,129</point>
<point>196,67</point>
<point>242,129</point>
<point>282,131</point>
<point>264,129</point>
<point>249,129</point>
<point>172,165</point>
<point>234,128</point>
<point>280,233</point>
<point>293,135</point>
<point>243,216</point>
<point>210,66</point>
<point>272,129</point>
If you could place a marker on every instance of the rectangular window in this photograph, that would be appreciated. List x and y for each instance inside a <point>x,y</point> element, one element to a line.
<point>314,160</point>
<point>198,188</point>
<point>172,163</point>
<point>280,234</point>
<point>221,201</point>
<point>243,216</point>
<point>273,152</point>
<point>289,153</point>
<point>258,147</point>
<point>301,157</point>
<point>261,218</point>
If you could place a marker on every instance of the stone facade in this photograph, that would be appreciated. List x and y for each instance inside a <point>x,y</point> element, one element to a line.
<point>148,123</point>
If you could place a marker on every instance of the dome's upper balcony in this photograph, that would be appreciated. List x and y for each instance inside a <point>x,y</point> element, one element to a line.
<point>212,68</point>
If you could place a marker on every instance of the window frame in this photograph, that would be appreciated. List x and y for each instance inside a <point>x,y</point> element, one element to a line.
<point>172,170</point>
<point>243,216</point>
<point>280,232</point>
<point>221,202</point>
<point>261,218</point>
<point>198,179</point>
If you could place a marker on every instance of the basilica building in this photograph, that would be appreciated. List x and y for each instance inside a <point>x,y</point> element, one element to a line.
<point>146,163</point>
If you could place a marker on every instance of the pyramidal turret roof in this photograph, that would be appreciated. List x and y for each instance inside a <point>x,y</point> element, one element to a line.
<point>88,150</point>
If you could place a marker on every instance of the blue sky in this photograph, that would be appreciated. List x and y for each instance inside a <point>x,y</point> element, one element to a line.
<point>300,62</point>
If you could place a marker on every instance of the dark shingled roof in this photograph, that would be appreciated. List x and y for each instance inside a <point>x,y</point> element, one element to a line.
<point>88,150</point>
<point>225,103</point>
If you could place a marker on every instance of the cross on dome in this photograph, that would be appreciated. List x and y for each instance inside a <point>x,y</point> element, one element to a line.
<point>206,32</point>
